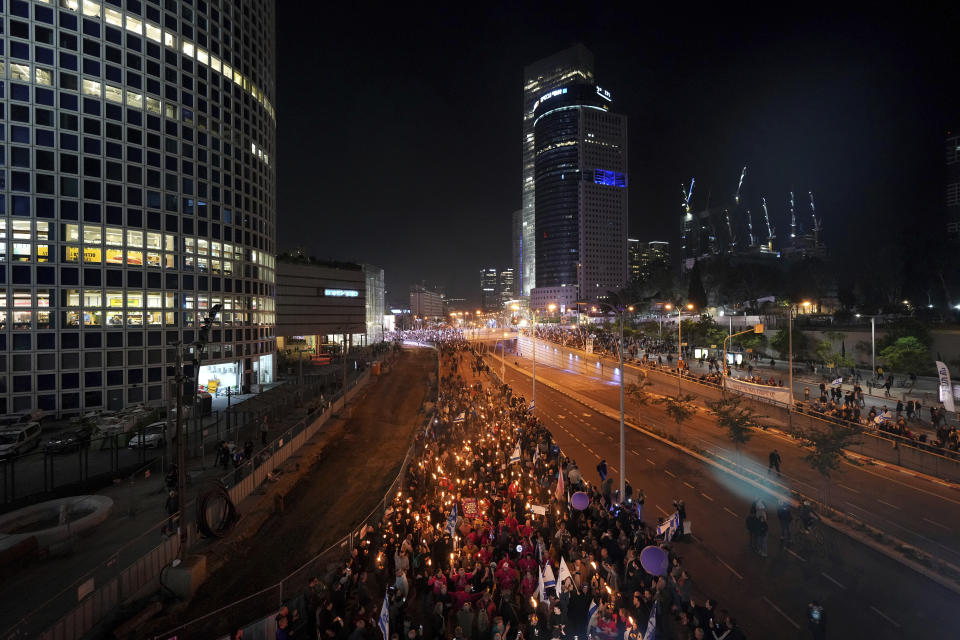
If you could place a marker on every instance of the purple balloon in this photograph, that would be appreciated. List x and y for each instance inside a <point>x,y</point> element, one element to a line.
<point>654,560</point>
<point>580,501</point>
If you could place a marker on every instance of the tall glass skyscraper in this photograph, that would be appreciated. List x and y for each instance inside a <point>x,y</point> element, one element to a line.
<point>137,191</point>
<point>568,67</point>
<point>581,196</point>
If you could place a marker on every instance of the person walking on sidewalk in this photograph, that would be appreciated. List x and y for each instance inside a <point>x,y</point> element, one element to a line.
<point>774,462</point>
<point>264,428</point>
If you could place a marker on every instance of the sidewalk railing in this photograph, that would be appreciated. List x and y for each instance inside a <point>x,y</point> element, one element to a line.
<point>131,570</point>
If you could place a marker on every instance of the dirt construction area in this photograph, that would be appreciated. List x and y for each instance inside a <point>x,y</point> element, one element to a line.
<point>349,467</point>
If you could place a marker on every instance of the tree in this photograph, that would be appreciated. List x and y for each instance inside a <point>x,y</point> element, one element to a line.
<point>638,391</point>
<point>906,355</point>
<point>905,328</point>
<point>737,419</point>
<point>680,407</point>
<point>827,445</point>
<point>830,356</point>
<point>696,293</point>
<point>801,343</point>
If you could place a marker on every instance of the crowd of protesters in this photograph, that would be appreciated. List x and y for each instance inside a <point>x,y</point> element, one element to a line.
<point>484,541</point>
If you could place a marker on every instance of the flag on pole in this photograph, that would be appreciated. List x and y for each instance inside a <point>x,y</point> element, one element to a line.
<point>946,387</point>
<point>461,418</point>
<point>530,408</point>
<point>559,491</point>
<point>536,454</point>
<point>563,574</point>
<point>669,527</point>
<point>452,521</point>
<point>548,580</point>
<point>515,456</point>
<point>384,622</point>
<point>541,590</point>
<point>651,632</point>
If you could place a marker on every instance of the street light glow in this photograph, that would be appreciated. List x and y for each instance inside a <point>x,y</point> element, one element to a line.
<point>690,306</point>
<point>551,307</point>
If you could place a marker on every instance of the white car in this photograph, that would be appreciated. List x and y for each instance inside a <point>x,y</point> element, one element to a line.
<point>19,439</point>
<point>153,435</point>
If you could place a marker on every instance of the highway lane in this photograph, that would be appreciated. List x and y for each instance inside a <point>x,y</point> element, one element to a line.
<point>865,593</point>
<point>922,513</point>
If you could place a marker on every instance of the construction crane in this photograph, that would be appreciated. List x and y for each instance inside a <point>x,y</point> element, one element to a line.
<point>730,235</point>
<point>766,218</point>
<point>793,218</point>
<point>736,198</point>
<point>686,226</point>
<point>686,200</point>
<point>816,221</point>
<point>753,239</point>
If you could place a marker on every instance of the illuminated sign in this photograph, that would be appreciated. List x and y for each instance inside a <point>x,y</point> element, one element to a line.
<point>547,96</point>
<point>341,293</point>
<point>609,178</point>
<point>603,93</point>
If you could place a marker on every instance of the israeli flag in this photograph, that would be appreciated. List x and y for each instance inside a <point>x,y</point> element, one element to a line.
<point>548,580</point>
<point>536,454</point>
<point>531,406</point>
<point>452,521</point>
<point>651,632</point>
<point>515,456</point>
<point>563,575</point>
<point>592,614</point>
<point>384,622</point>
<point>669,527</point>
<point>541,591</point>
<point>460,418</point>
<point>837,382</point>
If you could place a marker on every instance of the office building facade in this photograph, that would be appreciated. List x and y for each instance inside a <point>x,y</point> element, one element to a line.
<point>489,297</point>
<point>505,287</point>
<point>563,69</point>
<point>426,304</point>
<point>138,192</point>
<point>581,196</point>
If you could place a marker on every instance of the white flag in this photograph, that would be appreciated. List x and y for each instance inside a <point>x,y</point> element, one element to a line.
<point>549,581</point>
<point>946,388</point>
<point>563,574</point>
<point>515,456</point>
<point>541,591</point>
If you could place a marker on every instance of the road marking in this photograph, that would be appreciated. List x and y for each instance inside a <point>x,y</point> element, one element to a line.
<point>688,484</point>
<point>669,473</point>
<point>885,616</point>
<point>937,524</point>
<point>832,580</point>
<point>732,570</point>
<point>888,504</point>
<point>696,539</point>
<point>840,484</point>
<point>780,611</point>
<point>651,461</point>
<point>634,452</point>
<point>661,510</point>
<point>706,496</point>
<point>795,555</point>
<point>586,415</point>
<point>731,512</point>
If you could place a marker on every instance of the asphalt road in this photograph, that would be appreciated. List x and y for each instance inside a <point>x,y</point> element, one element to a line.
<point>913,508</point>
<point>866,595</point>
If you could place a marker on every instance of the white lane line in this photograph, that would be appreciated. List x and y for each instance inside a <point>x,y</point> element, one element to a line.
<point>840,484</point>
<point>634,452</point>
<point>661,510</point>
<point>937,524</point>
<point>795,555</point>
<point>885,617</point>
<point>696,539</point>
<point>669,473</point>
<point>888,504</point>
<point>731,512</point>
<point>651,461</point>
<point>706,496</point>
<point>732,570</point>
<point>688,484</point>
<point>832,580</point>
<point>780,611</point>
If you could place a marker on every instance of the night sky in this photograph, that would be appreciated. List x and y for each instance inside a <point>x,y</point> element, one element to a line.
<point>399,130</point>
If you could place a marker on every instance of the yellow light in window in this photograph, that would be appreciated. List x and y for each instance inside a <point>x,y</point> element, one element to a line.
<point>91,8</point>
<point>91,87</point>
<point>113,94</point>
<point>113,17</point>
<point>43,76</point>
<point>202,56</point>
<point>134,100</point>
<point>215,63</point>
<point>188,48</point>
<point>134,25</point>
<point>154,33</point>
<point>170,39</point>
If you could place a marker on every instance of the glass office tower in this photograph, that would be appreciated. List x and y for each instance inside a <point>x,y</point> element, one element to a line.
<point>137,191</point>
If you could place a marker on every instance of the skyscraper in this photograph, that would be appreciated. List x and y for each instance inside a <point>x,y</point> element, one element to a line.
<point>516,239</point>
<point>141,194</point>
<point>581,196</point>
<point>505,286</point>
<point>489,298</point>
<point>568,67</point>
<point>953,186</point>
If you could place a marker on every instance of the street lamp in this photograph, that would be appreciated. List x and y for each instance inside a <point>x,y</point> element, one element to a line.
<point>806,305</point>
<point>723,377</point>
<point>680,346</point>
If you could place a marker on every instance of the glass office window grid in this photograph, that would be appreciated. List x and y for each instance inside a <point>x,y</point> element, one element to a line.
<point>137,190</point>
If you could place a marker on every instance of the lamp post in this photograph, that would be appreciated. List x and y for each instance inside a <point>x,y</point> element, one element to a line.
<point>806,304</point>
<point>680,344</point>
<point>873,345</point>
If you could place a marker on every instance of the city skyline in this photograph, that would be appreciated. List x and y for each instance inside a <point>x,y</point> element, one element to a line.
<point>856,113</point>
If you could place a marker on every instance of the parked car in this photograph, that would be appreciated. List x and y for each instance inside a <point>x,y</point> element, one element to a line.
<point>17,441</point>
<point>152,435</point>
<point>69,440</point>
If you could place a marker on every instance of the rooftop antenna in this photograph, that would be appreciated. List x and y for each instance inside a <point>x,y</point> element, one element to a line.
<point>736,198</point>
<point>766,218</point>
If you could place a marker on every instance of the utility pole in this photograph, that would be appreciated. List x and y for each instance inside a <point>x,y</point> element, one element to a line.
<point>790,365</point>
<point>623,443</point>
